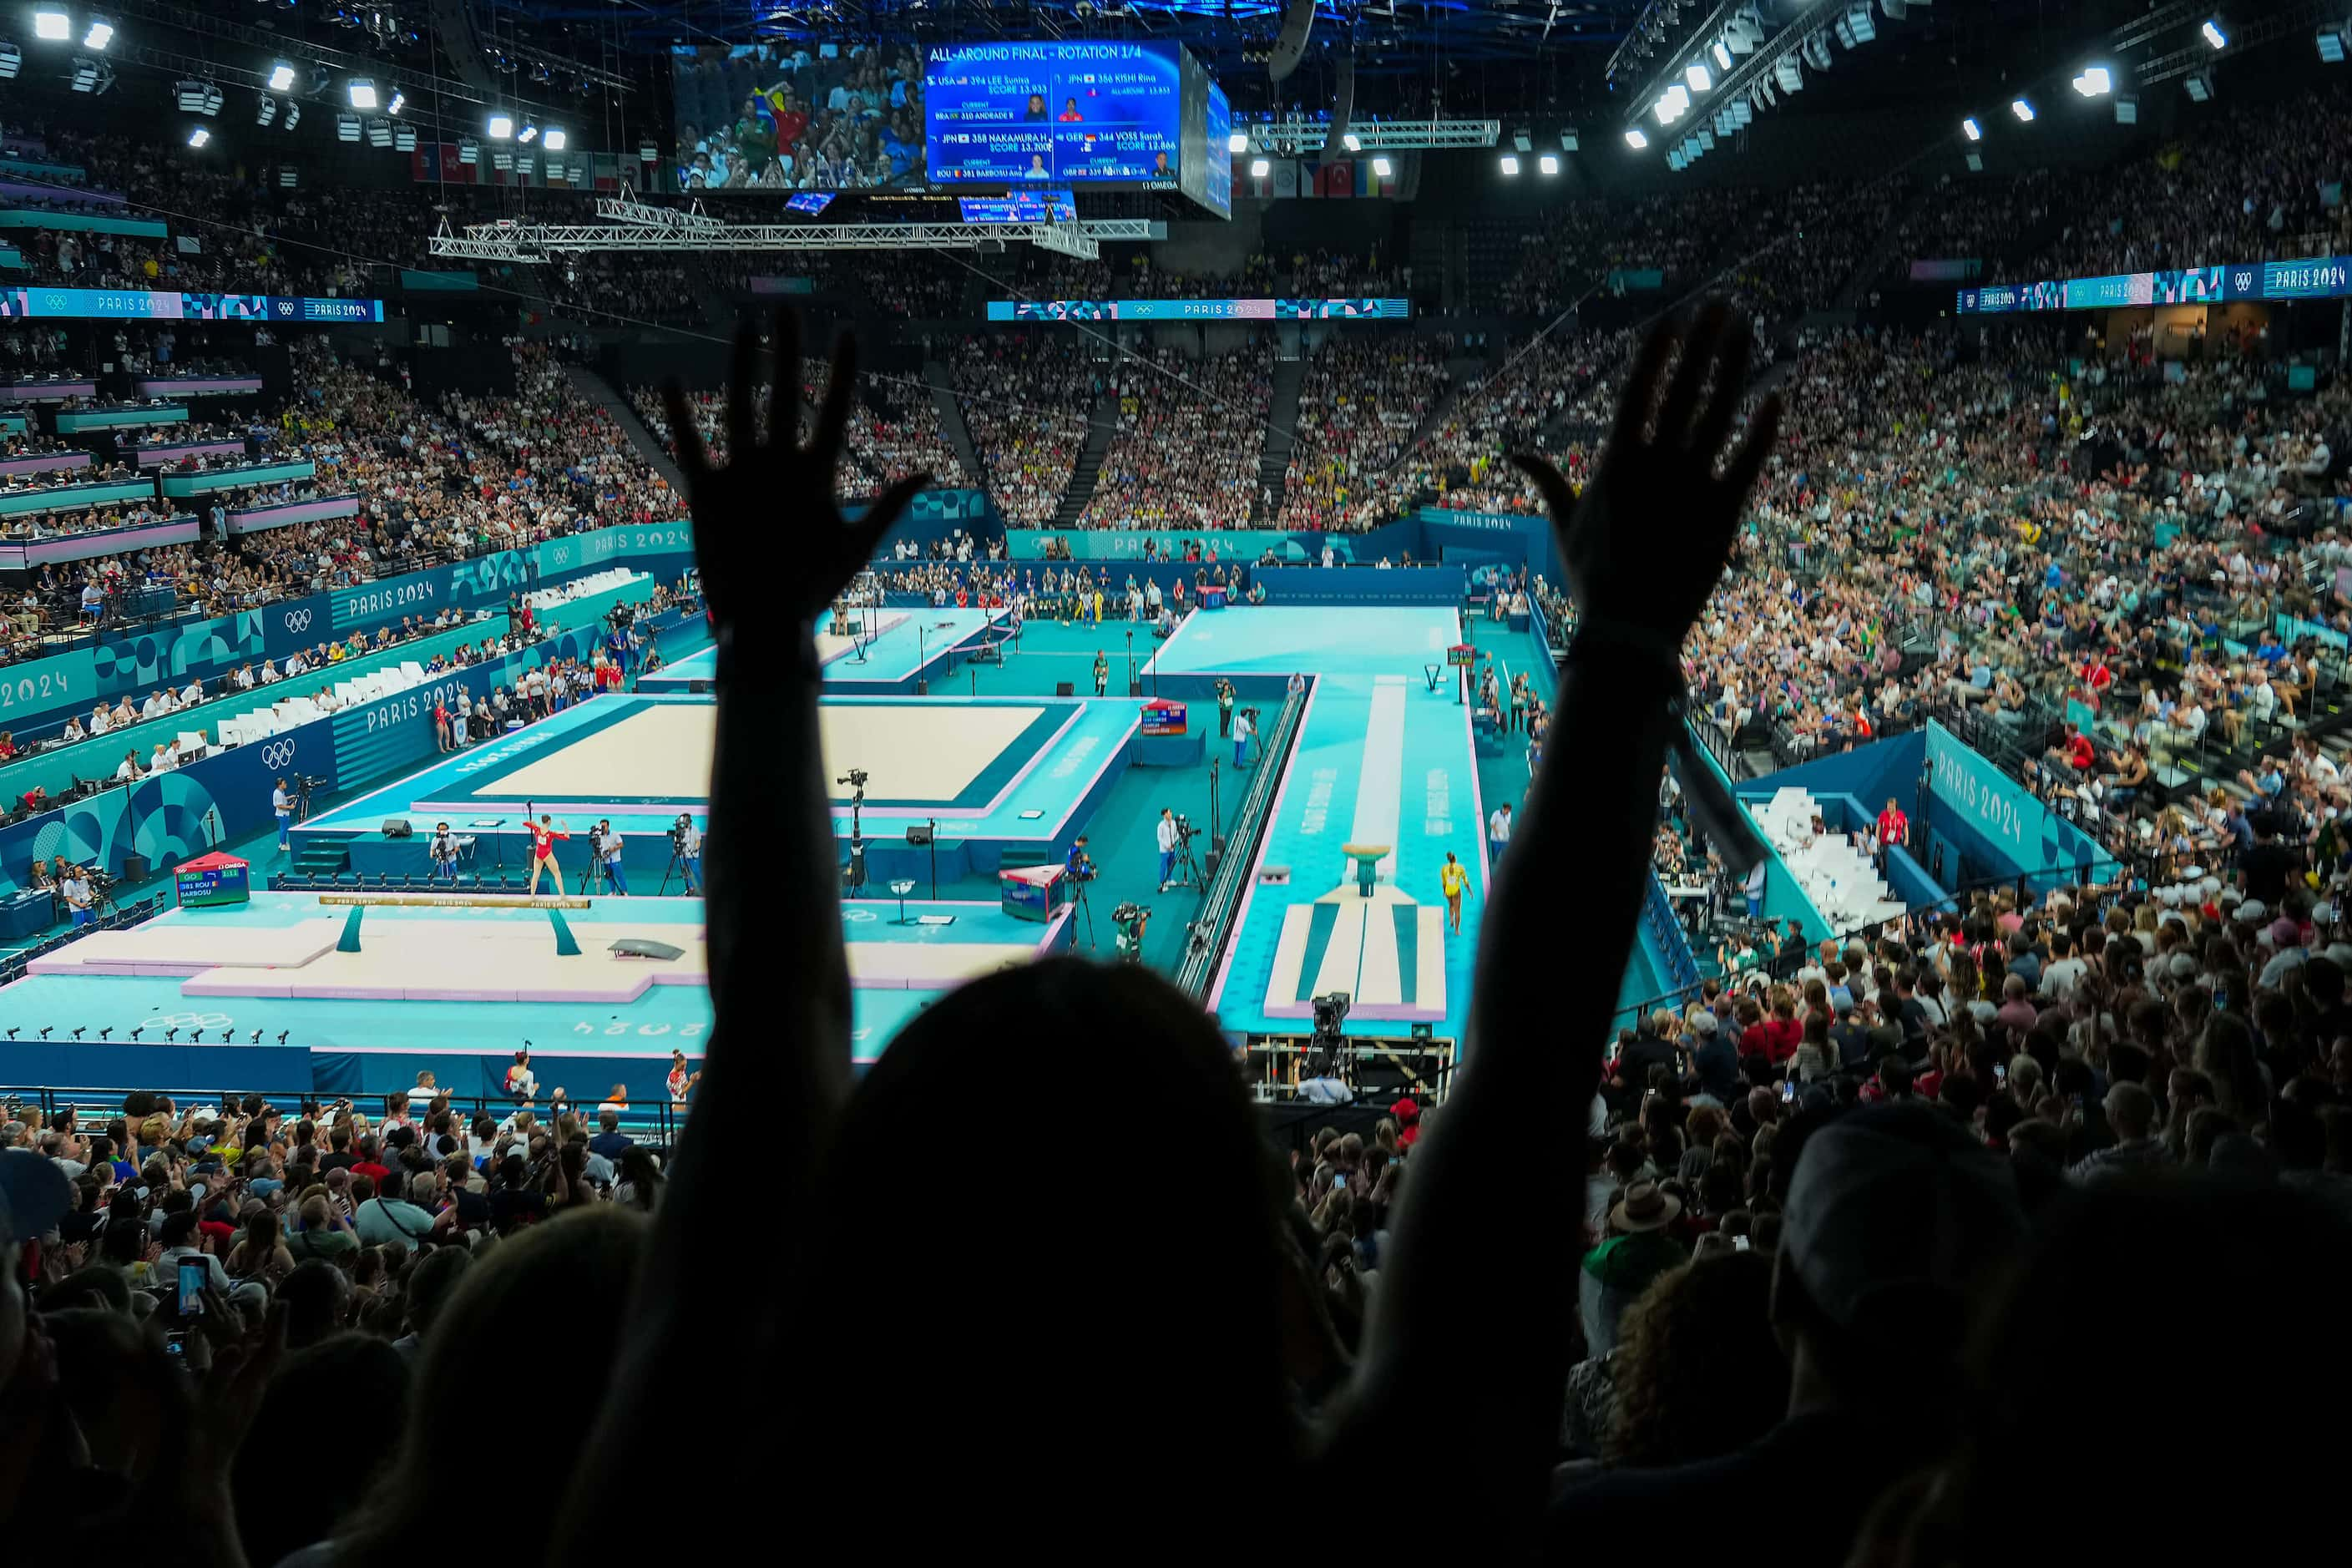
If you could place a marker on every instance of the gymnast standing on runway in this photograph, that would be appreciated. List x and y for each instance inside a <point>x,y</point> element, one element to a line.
<point>543,835</point>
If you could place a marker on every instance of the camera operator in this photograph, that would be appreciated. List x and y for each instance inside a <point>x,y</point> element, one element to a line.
<point>81,898</point>
<point>1244,726</point>
<point>282,805</point>
<point>686,843</point>
<point>606,845</point>
<point>444,853</point>
<point>1078,866</point>
<point>1169,838</point>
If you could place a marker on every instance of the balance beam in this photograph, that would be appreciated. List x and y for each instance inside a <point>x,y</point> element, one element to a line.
<point>461,900</point>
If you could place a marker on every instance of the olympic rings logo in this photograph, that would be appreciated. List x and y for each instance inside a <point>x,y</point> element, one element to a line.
<point>298,620</point>
<point>187,1021</point>
<point>859,916</point>
<point>561,554</point>
<point>278,753</point>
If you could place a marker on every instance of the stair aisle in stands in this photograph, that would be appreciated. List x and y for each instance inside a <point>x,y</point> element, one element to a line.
<point>1100,425</point>
<point>1281,436</point>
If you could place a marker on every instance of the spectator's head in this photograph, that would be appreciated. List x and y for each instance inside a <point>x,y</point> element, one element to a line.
<point>316,1297</point>
<point>1897,1218</point>
<point>1696,1370</point>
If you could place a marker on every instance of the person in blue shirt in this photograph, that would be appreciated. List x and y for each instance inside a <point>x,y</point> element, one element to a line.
<point>1078,866</point>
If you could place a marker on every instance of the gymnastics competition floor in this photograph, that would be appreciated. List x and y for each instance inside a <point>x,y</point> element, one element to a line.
<point>1381,761</point>
<point>458,990</point>
<point>911,644</point>
<point>998,775</point>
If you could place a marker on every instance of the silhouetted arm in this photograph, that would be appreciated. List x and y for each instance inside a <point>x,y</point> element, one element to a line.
<point>1467,1346</point>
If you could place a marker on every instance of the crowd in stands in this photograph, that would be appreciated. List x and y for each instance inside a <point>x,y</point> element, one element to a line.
<point>1358,404</point>
<point>786,119</point>
<point>1302,275</point>
<point>894,428</point>
<point>1026,399</point>
<point>1185,452</point>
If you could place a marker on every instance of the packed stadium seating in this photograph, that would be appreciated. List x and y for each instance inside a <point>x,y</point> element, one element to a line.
<point>1852,1209</point>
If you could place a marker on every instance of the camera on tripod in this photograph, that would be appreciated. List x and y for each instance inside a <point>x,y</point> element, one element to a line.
<point>1127,922</point>
<point>678,832</point>
<point>1184,828</point>
<point>1330,1012</point>
<point>856,779</point>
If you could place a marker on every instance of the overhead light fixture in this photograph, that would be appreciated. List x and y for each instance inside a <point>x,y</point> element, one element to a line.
<point>1522,141</point>
<point>199,136</point>
<point>2023,110</point>
<point>2094,82</point>
<point>1976,163</point>
<point>378,133</point>
<point>1548,164</point>
<point>266,110</point>
<point>1860,28</point>
<point>1382,168</point>
<point>363,92</point>
<point>85,74</point>
<point>293,117</point>
<point>399,101</point>
<point>2200,85</point>
<point>55,26</point>
<point>347,127</point>
<point>1971,129</point>
<point>1816,51</point>
<point>2127,109</point>
<point>12,60</point>
<point>1260,168</point>
<point>501,127</point>
<point>501,158</point>
<point>281,75</point>
<point>1722,53</point>
<point>1695,74</point>
<point>525,165</point>
<point>1510,164</point>
<point>100,34</point>
<point>2332,42</point>
<point>1352,142</point>
<point>1636,140</point>
<point>2213,33</point>
<point>469,150</point>
<point>557,137</point>
<point>1236,143</point>
<point>1568,141</point>
<point>289,176</point>
<point>1787,74</point>
<point>529,133</point>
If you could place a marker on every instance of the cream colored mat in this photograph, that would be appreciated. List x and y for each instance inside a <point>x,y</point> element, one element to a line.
<point>916,753</point>
<point>661,751</point>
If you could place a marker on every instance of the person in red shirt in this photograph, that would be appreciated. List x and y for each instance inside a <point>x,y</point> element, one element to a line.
<point>543,836</point>
<point>1893,829</point>
<point>2080,753</point>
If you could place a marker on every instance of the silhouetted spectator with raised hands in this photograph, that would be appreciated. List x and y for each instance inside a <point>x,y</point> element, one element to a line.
<point>1090,1360</point>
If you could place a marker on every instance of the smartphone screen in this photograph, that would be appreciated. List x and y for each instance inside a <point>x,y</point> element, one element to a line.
<point>192,1273</point>
<point>1787,1091</point>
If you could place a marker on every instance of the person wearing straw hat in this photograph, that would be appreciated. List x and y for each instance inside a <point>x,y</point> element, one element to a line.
<point>1638,1249</point>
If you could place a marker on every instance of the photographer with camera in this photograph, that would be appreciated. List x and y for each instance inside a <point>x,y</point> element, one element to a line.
<point>686,847</point>
<point>282,804</point>
<point>1078,866</point>
<point>443,850</point>
<point>1244,726</point>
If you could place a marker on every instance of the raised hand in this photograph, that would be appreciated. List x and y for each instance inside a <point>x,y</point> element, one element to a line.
<point>802,565</point>
<point>1648,538</point>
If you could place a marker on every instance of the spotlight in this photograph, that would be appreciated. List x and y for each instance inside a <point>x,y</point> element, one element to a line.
<point>12,60</point>
<point>1510,165</point>
<point>1352,142</point>
<point>362,92</point>
<point>199,136</point>
<point>85,74</point>
<point>2127,109</point>
<point>1236,143</point>
<point>469,150</point>
<point>1636,140</point>
<point>347,127</point>
<point>101,33</point>
<point>1696,76</point>
<point>529,133</point>
<point>1260,168</point>
<point>1382,168</point>
<point>1548,164</point>
<point>399,101</point>
<point>2094,82</point>
<point>2201,86</point>
<point>501,127</point>
<point>1522,141</point>
<point>2213,33</point>
<point>378,133</point>
<point>53,25</point>
<point>197,98</point>
<point>281,75</point>
<point>2331,42</point>
<point>1567,140</point>
<point>2023,110</point>
<point>557,139</point>
<point>1971,129</point>
<point>289,176</point>
<point>1722,53</point>
<point>266,110</point>
<point>293,115</point>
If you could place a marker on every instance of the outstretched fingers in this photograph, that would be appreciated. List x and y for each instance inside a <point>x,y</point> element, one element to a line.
<point>1640,395</point>
<point>1763,431</point>
<point>692,460</point>
<point>1559,499</point>
<point>742,421</point>
<point>868,532</point>
<point>833,421</point>
<point>1730,378</point>
<point>1699,346</point>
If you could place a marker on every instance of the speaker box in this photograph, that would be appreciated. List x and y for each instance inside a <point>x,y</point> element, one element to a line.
<point>1064,689</point>
<point>134,868</point>
<point>398,827</point>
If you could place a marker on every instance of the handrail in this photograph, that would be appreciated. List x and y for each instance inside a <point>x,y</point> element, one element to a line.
<point>51,1099</point>
<point>1214,924</point>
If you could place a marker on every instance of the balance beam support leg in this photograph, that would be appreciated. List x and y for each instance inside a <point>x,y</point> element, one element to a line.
<point>566,944</point>
<point>350,938</point>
